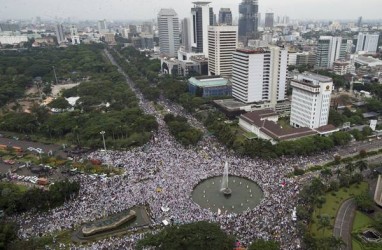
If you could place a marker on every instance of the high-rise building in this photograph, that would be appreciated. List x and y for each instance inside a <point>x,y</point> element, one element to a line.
<point>269,18</point>
<point>186,31</point>
<point>102,26</point>
<point>168,27</point>
<point>260,75</point>
<point>202,16</point>
<point>330,49</point>
<point>359,23</point>
<point>225,16</point>
<point>74,35</point>
<point>248,20</point>
<point>310,100</point>
<point>367,42</point>
<point>60,33</point>
<point>222,42</point>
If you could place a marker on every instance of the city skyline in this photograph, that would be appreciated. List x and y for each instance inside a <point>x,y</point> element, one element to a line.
<point>148,9</point>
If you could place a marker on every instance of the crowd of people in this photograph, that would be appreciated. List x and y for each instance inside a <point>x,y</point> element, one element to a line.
<point>163,174</point>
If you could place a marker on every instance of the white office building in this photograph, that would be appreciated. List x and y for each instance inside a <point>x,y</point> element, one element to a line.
<point>202,16</point>
<point>74,35</point>
<point>260,75</point>
<point>329,50</point>
<point>168,27</point>
<point>60,33</point>
<point>310,100</point>
<point>102,26</point>
<point>367,42</point>
<point>222,42</point>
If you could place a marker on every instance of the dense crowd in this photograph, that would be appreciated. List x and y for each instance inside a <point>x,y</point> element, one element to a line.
<point>165,165</point>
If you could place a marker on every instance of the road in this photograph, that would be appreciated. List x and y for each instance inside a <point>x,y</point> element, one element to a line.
<point>344,223</point>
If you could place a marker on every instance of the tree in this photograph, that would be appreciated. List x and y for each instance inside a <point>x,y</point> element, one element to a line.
<point>350,167</point>
<point>362,153</point>
<point>326,173</point>
<point>323,222</point>
<point>59,103</point>
<point>361,165</point>
<point>199,236</point>
<point>364,202</point>
<point>261,244</point>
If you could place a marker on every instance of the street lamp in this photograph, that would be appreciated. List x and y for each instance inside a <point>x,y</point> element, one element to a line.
<point>103,138</point>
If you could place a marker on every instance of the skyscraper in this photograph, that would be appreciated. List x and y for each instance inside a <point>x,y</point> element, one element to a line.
<point>168,27</point>
<point>186,31</point>
<point>330,49</point>
<point>202,16</point>
<point>260,75</point>
<point>60,33</point>
<point>269,18</point>
<point>367,42</point>
<point>222,42</point>
<point>102,26</point>
<point>359,23</point>
<point>310,100</point>
<point>225,16</point>
<point>248,20</point>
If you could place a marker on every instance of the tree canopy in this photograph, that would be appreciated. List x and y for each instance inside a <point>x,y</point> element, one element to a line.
<point>194,236</point>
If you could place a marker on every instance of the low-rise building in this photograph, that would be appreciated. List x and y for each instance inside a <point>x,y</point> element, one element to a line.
<point>263,123</point>
<point>206,86</point>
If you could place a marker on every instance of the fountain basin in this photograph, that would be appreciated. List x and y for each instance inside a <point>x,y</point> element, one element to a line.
<point>208,194</point>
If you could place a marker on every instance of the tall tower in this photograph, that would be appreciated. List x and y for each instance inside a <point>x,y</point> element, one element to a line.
<point>168,27</point>
<point>367,42</point>
<point>359,23</point>
<point>269,18</point>
<point>186,31</point>
<point>248,20</point>
<point>260,75</point>
<point>225,16</point>
<point>202,16</point>
<point>60,33</point>
<point>102,26</point>
<point>330,49</point>
<point>222,42</point>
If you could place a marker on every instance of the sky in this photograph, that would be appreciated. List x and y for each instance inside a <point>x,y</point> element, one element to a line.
<point>148,9</point>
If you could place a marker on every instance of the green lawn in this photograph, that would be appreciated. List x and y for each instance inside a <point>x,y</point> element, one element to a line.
<point>332,204</point>
<point>361,221</point>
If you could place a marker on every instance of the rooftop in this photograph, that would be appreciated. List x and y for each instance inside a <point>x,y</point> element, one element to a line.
<point>167,12</point>
<point>210,81</point>
<point>251,51</point>
<point>272,129</point>
<point>317,77</point>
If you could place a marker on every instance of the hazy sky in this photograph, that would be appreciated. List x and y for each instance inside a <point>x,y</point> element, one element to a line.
<point>148,9</point>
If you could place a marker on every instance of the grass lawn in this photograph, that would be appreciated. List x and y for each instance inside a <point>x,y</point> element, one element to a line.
<point>332,204</point>
<point>361,220</point>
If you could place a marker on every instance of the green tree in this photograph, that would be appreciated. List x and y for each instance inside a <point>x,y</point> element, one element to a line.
<point>199,235</point>
<point>59,103</point>
<point>323,222</point>
<point>261,244</point>
<point>364,202</point>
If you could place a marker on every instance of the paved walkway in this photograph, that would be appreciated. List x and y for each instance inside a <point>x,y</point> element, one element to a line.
<point>344,223</point>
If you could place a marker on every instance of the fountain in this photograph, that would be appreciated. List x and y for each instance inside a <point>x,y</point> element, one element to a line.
<point>215,193</point>
<point>224,188</point>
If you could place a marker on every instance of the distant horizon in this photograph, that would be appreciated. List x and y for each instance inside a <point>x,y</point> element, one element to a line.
<point>148,9</point>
